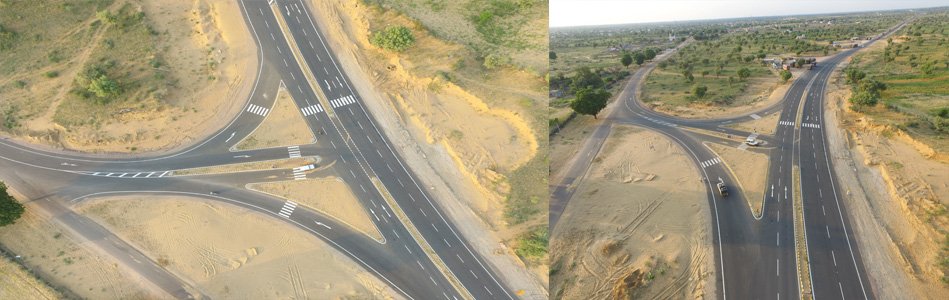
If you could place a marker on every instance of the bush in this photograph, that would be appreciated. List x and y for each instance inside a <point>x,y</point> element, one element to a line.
<point>699,91</point>
<point>393,38</point>
<point>785,75</point>
<point>533,245</point>
<point>51,74</point>
<point>10,209</point>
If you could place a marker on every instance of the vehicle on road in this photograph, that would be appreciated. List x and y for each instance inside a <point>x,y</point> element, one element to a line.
<point>722,189</point>
<point>752,141</point>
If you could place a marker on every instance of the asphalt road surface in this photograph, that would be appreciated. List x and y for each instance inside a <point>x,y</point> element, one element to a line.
<point>346,136</point>
<point>754,256</point>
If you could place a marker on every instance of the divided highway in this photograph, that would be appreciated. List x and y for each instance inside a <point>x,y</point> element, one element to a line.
<point>754,255</point>
<point>347,137</point>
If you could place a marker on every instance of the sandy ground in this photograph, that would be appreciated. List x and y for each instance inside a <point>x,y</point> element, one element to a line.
<point>283,126</point>
<point>749,168</point>
<point>284,163</point>
<point>460,196</point>
<point>268,260</point>
<point>637,227</point>
<point>767,97</point>
<point>894,195</point>
<point>565,144</point>
<point>329,195</point>
<point>766,125</point>
<point>215,69</point>
<point>64,261</point>
<point>20,284</point>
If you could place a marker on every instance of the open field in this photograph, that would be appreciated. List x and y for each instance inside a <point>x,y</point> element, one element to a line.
<point>268,260</point>
<point>914,65</point>
<point>724,68</point>
<point>121,76</point>
<point>655,244</point>
<point>18,283</point>
<point>67,263</point>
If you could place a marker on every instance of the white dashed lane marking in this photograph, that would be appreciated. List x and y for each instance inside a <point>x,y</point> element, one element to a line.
<point>343,101</point>
<point>258,110</point>
<point>145,174</point>
<point>294,151</point>
<point>287,209</point>
<point>312,110</point>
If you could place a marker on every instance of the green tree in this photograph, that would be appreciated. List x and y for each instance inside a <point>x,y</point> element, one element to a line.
<point>10,209</point>
<point>785,76</point>
<point>103,87</point>
<point>650,53</point>
<point>626,60</point>
<point>590,101</point>
<point>699,91</point>
<point>585,78</point>
<point>854,75</point>
<point>744,73</point>
<point>640,58</point>
<point>553,55</point>
<point>393,38</point>
<point>688,76</point>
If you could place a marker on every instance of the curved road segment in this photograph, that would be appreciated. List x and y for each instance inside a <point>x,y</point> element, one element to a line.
<point>755,256</point>
<point>347,137</point>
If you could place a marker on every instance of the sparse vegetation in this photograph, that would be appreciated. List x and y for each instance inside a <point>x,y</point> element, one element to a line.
<point>532,246</point>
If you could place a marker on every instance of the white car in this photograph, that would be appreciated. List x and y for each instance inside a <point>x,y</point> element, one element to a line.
<point>752,142</point>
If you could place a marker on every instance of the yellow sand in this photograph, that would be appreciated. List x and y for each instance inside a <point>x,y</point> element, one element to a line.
<point>269,259</point>
<point>749,168</point>
<point>284,163</point>
<point>46,246</point>
<point>20,284</point>
<point>283,126</point>
<point>642,209</point>
<point>329,195</point>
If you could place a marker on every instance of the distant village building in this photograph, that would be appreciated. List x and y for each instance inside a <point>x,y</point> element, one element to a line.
<point>672,37</point>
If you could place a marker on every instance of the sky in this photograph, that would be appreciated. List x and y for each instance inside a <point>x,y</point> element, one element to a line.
<point>564,13</point>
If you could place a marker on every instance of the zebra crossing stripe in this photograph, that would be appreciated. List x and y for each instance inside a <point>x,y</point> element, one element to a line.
<point>294,151</point>
<point>343,101</point>
<point>258,110</point>
<point>287,209</point>
<point>710,162</point>
<point>311,110</point>
<point>755,116</point>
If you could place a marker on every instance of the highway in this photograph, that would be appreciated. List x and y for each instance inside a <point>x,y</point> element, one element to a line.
<point>754,255</point>
<point>348,144</point>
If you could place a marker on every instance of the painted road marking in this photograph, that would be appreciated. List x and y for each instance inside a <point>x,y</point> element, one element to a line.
<point>312,109</point>
<point>287,209</point>
<point>258,110</point>
<point>786,123</point>
<point>299,174</point>
<point>755,116</point>
<point>810,125</point>
<point>660,122</point>
<point>710,162</point>
<point>343,101</point>
<point>294,151</point>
